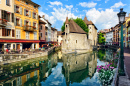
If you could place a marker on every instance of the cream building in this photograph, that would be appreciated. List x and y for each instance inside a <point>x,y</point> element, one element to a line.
<point>92,34</point>
<point>75,38</point>
<point>59,37</point>
<point>7,29</point>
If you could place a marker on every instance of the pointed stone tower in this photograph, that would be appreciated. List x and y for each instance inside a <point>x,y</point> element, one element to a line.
<point>66,26</point>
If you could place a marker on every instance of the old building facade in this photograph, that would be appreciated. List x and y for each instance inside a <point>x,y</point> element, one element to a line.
<point>75,38</point>
<point>92,34</point>
<point>26,24</point>
<point>7,28</point>
<point>116,35</point>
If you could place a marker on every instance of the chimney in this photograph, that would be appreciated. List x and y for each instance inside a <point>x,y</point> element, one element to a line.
<point>129,14</point>
<point>43,16</point>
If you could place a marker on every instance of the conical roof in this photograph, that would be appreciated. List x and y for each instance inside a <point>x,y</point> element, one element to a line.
<point>67,21</point>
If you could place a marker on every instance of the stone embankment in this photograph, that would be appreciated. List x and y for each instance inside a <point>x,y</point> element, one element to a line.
<point>10,58</point>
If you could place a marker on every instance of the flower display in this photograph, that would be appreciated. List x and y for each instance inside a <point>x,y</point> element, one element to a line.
<point>106,73</point>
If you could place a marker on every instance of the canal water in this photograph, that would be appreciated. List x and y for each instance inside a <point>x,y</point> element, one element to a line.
<point>56,70</point>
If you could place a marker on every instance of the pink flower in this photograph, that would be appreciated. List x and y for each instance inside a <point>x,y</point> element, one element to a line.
<point>112,67</point>
<point>111,63</point>
<point>104,67</point>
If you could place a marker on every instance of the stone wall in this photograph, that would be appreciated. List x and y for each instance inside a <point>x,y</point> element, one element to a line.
<point>75,41</point>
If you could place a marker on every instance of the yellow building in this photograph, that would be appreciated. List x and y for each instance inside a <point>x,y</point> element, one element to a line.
<point>26,24</point>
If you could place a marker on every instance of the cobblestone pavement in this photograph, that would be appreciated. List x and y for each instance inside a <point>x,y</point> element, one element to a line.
<point>125,80</point>
<point>127,61</point>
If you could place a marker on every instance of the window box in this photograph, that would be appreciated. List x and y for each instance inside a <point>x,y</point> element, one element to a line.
<point>27,15</point>
<point>17,11</point>
<point>34,27</point>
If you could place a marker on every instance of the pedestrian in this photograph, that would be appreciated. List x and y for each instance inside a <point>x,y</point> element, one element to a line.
<point>7,50</point>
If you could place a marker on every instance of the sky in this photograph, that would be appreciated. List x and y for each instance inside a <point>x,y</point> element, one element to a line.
<point>103,13</point>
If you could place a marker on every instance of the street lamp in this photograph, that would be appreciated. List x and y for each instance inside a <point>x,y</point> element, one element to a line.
<point>121,16</point>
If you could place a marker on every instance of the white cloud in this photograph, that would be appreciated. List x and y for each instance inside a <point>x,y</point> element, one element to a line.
<point>55,3</point>
<point>51,19</point>
<point>103,19</point>
<point>69,6</point>
<point>89,4</point>
<point>117,5</point>
<point>61,14</point>
<point>106,1</point>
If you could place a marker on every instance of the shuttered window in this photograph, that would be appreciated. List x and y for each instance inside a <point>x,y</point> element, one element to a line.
<point>21,10</point>
<point>13,33</point>
<point>12,17</point>
<point>3,32</point>
<point>18,34</point>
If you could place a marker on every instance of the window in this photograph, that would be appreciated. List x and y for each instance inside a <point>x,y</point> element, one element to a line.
<point>76,41</point>
<point>34,6</point>
<point>35,35</point>
<point>18,34</point>
<point>17,22</point>
<point>41,27</point>
<point>27,3</point>
<point>17,9</point>
<point>35,73</point>
<point>8,2</point>
<point>34,15</point>
<point>34,25</point>
<point>41,34</point>
<point>66,25</point>
<point>90,27</point>
<point>28,76</point>
<point>27,35</point>
<point>46,33</point>
<point>6,32</point>
<point>8,16</point>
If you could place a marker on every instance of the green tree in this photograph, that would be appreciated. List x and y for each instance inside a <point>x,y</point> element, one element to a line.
<point>101,38</point>
<point>80,22</point>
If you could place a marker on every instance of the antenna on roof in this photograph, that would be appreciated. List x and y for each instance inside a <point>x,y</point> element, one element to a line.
<point>71,16</point>
<point>67,13</point>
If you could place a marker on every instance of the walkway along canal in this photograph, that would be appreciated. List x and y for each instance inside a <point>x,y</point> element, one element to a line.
<point>11,58</point>
<point>56,69</point>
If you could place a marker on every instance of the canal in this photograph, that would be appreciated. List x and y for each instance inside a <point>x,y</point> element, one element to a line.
<point>56,70</point>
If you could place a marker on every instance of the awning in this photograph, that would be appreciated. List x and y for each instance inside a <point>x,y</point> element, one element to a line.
<point>18,41</point>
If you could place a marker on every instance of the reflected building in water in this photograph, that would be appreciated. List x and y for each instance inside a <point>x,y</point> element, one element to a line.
<point>78,67</point>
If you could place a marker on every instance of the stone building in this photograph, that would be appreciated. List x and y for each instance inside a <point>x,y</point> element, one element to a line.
<point>75,38</point>
<point>92,34</point>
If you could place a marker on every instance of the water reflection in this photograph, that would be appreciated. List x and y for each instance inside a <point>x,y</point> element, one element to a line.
<point>56,69</point>
<point>78,67</point>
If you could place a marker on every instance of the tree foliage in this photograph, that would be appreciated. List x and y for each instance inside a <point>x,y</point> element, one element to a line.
<point>80,22</point>
<point>101,38</point>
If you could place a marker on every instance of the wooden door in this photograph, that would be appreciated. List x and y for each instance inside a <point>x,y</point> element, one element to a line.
<point>18,46</point>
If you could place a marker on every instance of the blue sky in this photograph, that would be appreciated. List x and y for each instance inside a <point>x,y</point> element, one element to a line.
<point>103,13</point>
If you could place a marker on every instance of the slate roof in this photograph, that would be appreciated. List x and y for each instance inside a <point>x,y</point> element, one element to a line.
<point>75,28</point>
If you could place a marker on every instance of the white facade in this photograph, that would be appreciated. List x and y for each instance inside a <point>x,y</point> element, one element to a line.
<point>109,37</point>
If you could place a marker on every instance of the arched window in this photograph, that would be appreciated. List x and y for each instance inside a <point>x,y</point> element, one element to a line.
<point>66,26</point>
<point>76,41</point>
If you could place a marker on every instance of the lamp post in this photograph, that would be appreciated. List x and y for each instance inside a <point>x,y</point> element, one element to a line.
<point>121,16</point>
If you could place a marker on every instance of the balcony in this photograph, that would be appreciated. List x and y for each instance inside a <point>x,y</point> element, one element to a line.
<point>29,28</point>
<point>3,22</point>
